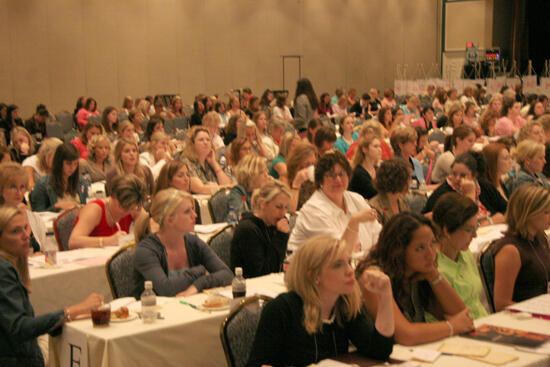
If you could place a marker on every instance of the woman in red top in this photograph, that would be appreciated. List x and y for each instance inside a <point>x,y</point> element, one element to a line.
<point>102,221</point>
<point>90,130</point>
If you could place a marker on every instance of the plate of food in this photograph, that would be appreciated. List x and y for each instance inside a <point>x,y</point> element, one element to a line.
<point>216,302</point>
<point>123,315</point>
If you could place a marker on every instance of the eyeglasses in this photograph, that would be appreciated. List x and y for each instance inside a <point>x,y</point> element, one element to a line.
<point>471,230</point>
<point>333,175</point>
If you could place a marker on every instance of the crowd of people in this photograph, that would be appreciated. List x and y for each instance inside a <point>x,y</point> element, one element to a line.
<point>316,182</point>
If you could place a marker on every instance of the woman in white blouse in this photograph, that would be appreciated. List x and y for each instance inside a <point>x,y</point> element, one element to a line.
<point>334,211</point>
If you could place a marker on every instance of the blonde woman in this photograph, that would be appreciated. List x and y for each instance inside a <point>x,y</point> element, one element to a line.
<point>272,149</point>
<point>22,145</point>
<point>127,130</point>
<point>251,173</point>
<point>40,164</point>
<point>322,310</point>
<point>20,327</point>
<point>157,153</point>
<point>176,108</point>
<point>522,256</point>
<point>206,174</point>
<point>249,131</point>
<point>99,159</point>
<point>259,243</point>
<point>127,105</point>
<point>126,162</point>
<point>530,155</point>
<point>212,121</point>
<point>532,130</point>
<point>365,161</point>
<point>176,261</point>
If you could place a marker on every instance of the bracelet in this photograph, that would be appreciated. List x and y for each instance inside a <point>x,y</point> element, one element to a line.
<point>67,315</point>
<point>100,241</point>
<point>351,229</point>
<point>436,281</point>
<point>451,328</point>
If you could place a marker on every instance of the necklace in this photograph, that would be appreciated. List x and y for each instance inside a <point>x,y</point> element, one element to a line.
<point>108,211</point>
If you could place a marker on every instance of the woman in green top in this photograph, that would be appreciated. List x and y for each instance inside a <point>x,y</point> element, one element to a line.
<point>456,218</point>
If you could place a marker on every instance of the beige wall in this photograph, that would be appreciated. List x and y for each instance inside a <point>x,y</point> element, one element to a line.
<point>53,51</point>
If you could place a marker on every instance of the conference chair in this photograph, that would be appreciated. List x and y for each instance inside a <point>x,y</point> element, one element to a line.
<point>220,243</point>
<point>486,266</point>
<point>63,227</point>
<point>120,271</point>
<point>217,205</point>
<point>54,130</point>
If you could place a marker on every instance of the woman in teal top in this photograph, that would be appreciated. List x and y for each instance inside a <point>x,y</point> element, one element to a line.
<point>456,218</point>
<point>278,169</point>
<point>347,135</point>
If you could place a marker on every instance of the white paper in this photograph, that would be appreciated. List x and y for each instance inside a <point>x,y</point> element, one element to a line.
<point>539,305</point>
<point>250,292</point>
<point>209,228</point>
<point>425,355</point>
<point>119,302</point>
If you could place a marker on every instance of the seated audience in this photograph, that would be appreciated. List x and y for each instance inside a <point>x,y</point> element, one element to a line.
<point>510,122</point>
<point>109,120</point>
<point>103,221</point>
<point>347,134</point>
<point>300,165</point>
<point>89,108</point>
<point>20,328</point>
<point>461,141</point>
<point>405,252</point>
<point>522,256</point>
<point>127,162</point>
<point>157,153</point>
<point>40,164</point>
<point>333,210</point>
<point>457,222</point>
<point>499,164</point>
<point>91,129</point>
<point>530,155</point>
<point>322,311</point>
<point>206,174</point>
<point>392,182</point>
<point>99,160</point>
<point>365,161</point>
<point>22,145</point>
<point>175,260</point>
<point>36,125</point>
<point>63,188</point>
<point>259,243</point>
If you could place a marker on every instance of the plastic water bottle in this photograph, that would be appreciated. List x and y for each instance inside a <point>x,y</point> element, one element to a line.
<point>148,304</point>
<point>50,248</point>
<point>232,216</point>
<point>243,209</point>
<point>238,286</point>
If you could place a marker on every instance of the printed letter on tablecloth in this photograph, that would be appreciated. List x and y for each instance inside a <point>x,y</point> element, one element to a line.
<point>73,346</point>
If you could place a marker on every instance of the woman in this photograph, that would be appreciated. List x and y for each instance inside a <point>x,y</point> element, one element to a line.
<point>63,189</point>
<point>109,120</point>
<point>127,130</point>
<point>136,118</point>
<point>452,99</point>
<point>22,145</point>
<point>499,164</point>
<point>411,108</point>
<point>20,327</point>
<point>305,104</point>
<point>324,108</point>
<point>232,127</point>
<point>392,182</point>
<point>312,127</point>
<point>91,129</point>
<point>388,100</point>
<point>154,125</point>
<point>272,148</point>
<point>259,243</point>
<point>281,110</point>
<point>250,173</point>
<point>40,164</point>
<point>405,252</point>
<point>456,219</point>
<point>127,162</point>
<point>460,142</point>
<point>144,107</point>
<point>333,210</point>
<point>239,148</point>
<point>234,107</point>
<point>127,105</point>
<point>530,155</point>
<point>510,122</point>
<point>99,160</point>
<point>455,116</point>
<point>103,221</point>
<point>322,312</point>
<point>176,108</point>
<point>198,113</point>
<point>536,110</point>
<point>212,122</point>
<point>340,108</point>
<point>300,166</point>
<point>278,169</point>
<point>90,108</point>
<point>487,122</point>
<point>470,117</point>
<point>249,131</point>
<point>178,262</point>
<point>532,130</point>
<point>206,174</point>
<point>385,118</point>
<point>253,107</point>
<point>465,179</point>
<point>276,128</point>
<point>347,135</point>
<point>440,98</point>
<point>365,161</point>
<point>426,119</point>
<point>157,153</point>
<point>522,256</point>
<point>403,141</point>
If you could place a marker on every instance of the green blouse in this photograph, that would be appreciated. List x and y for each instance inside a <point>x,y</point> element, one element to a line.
<point>464,278</point>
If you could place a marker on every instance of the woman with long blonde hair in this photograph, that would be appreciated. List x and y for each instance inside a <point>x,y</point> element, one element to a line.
<point>127,161</point>
<point>322,310</point>
<point>366,159</point>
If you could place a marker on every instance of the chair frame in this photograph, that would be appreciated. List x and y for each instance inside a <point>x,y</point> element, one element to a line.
<point>108,263</point>
<point>56,231</point>
<point>223,327</point>
<point>210,210</point>
<point>216,234</point>
<point>490,298</point>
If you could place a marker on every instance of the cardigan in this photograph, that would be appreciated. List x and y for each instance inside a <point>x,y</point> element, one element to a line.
<point>43,197</point>
<point>19,328</point>
<point>303,112</point>
<point>205,270</point>
<point>362,183</point>
<point>258,248</point>
<point>282,340</point>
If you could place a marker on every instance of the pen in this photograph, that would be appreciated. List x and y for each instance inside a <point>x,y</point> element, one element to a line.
<point>189,304</point>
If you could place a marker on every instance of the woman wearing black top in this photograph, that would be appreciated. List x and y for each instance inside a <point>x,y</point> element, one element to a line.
<point>367,156</point>
<point>259,243</point>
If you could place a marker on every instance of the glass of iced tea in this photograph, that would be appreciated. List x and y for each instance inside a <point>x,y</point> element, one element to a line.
<point>101,315</point>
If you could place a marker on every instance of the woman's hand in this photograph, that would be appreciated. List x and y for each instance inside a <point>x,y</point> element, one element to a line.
<point>461,322</point>
<point>86,306</point>
<point>113,239</point>
<point>191,290</point>
<point>376,281</point>
<point>301,177</point>
<point>159,154</point>
<point>366,215</point>
<point>211,158</point>
<point>65,205</point>
<point>283,225</point>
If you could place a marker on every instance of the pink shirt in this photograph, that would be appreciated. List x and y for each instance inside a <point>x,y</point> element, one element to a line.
<point>82,149</point>
<point>82,116</point>
<point>506,127</point>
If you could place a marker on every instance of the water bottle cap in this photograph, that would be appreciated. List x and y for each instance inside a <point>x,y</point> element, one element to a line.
<point>238,271</point>
<point>148,284</point>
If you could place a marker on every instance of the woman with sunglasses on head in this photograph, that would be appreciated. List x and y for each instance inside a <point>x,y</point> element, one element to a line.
<point>178,262</point>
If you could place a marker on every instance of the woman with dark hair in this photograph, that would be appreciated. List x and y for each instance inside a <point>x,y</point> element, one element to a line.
<point>154,125</point>
<point>347,134</point>
<point>239,148</point>
<point>324,108</point>
<point>456,219</point>
<point>90,130</point>
<point>392,182</point>
<point>305,104</point>
<point>334,210</point>
<point>232,128</point>
<point>312,127</point>
<point>265,102</point>
<point>62,189</point>
<point>280,109</point>
<point>389,100</point>
<point>198,112</point>
<point>385,117</point>
<point>80,102</point>
<point>499,164</point>
<point>405,252</point>
<point>510,122</point>
<point>10,121</point>
<point>460,142</point>
<point>90,108</point>
<point>440,98</point>
<point>426,119</point>
<point>109,120</point>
